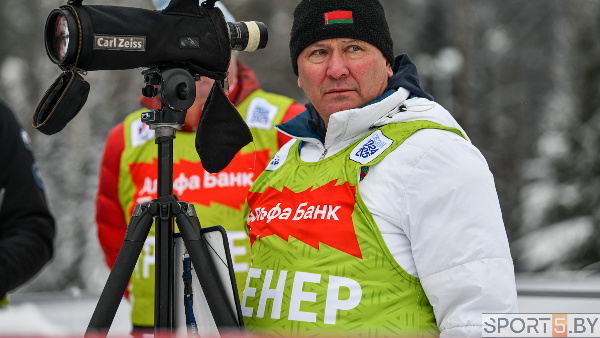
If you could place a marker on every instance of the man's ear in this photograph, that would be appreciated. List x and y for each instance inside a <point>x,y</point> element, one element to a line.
<point>389,70</point>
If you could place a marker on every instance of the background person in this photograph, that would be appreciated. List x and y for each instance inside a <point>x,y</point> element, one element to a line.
<point>128,176</point>
<point>380,217</point>
<point>26,224</point>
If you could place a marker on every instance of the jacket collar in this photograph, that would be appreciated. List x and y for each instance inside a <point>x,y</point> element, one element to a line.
<point>346,124</point>
<point>406,76</point>
<point>352,123</point>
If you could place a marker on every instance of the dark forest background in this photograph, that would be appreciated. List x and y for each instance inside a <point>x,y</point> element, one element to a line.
<point>522,77</point>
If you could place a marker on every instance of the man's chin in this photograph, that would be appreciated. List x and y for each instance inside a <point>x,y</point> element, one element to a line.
<point>336,108</point>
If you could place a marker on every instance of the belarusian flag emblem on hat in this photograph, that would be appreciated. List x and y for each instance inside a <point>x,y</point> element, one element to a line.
<point>338,17</point>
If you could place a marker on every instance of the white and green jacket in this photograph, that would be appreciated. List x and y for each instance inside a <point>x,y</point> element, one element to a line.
<point>432,199</point>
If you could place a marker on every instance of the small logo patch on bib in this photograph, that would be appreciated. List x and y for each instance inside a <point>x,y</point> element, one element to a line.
<point>261,114</point>
<point>140,133</point>
<point>371,147</point>
<point>280,157</point>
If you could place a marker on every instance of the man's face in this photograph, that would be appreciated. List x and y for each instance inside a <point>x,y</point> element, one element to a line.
<point>203,88</point>
<point>339,74</point>
<point>205,84</point>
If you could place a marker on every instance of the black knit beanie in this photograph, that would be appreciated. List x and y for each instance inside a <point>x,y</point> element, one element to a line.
<point>316,20</point>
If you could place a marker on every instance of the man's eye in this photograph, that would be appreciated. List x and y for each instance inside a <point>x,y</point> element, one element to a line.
<point>319,52</point>
<point>354,48</point>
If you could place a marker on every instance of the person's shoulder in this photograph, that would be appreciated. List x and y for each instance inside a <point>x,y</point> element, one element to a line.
<point>296,108</point>
<point>260,98</point>
<point>116,131</point>
<point>292,106</point>
<point>429,138</point>
<point>431,145</point>
<point>271,95</point>
<point>267,109</point>
<point>443,128</point>
<point>132,130</point>
<point>135,115</point>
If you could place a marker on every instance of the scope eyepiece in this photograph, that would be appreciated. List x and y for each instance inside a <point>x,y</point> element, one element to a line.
<point>247,36</point>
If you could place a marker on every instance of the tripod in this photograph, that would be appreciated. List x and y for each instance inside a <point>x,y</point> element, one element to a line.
<point>176,91</point>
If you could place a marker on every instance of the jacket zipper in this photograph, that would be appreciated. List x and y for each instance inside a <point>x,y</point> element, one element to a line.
<point>323,155</point>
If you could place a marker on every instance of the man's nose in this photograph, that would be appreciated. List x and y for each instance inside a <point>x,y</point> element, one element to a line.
<point>337,66</point>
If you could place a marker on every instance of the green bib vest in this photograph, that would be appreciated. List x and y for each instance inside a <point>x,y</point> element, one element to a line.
<point>319,263</point>
<point>218,198</point>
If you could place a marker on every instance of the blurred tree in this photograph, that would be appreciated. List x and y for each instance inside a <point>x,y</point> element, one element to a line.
<point>562,199</point>
<point>503,85</point>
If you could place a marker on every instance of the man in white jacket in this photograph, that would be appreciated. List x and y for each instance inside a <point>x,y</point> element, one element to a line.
<point>380,217</point>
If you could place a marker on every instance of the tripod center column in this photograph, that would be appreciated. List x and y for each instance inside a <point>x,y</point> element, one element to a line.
<point>164,288</point>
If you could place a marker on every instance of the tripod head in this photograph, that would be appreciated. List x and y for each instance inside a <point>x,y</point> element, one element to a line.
<point>221,131</point>
<point>176,90</point>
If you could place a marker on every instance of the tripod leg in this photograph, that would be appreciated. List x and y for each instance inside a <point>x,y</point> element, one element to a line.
<point>189,228</point>
<point>137,231</point>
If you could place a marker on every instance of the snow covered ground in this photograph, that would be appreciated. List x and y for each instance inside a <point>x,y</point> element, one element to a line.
<point>565,292</point>
<point>56,315</point>
<point>68,314</point>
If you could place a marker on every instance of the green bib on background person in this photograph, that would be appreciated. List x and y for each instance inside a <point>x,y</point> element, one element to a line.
<point>217,198</point>
<point>319,263</point>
